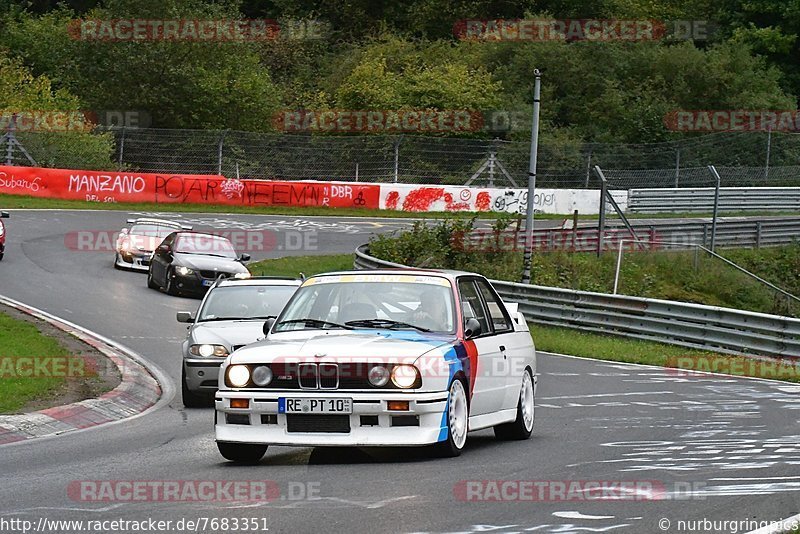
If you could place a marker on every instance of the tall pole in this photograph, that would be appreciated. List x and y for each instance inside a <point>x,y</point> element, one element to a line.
<point>526,273</point>
<point>716,206</point>
<point>769,149</point>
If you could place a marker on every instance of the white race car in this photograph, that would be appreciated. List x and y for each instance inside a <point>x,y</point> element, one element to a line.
<point>136,243</point>
<point>380,358</point>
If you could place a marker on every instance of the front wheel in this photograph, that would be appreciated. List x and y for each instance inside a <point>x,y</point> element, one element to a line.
<point>457,421</point>
<point>170,289</point>
<point>150,282</point>
<point>522,426</point>
<point>241,453</point>
<point>191,399</point>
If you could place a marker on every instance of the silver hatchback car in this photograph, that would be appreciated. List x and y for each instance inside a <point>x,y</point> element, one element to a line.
<point>231,315</point>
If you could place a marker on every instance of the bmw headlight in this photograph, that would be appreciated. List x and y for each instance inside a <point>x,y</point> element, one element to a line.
<point>205,350</point>
<point>241,276</point>
<point>183,271</point>
<point>262,376</point>
<point>378,376</point>
<point>238,376</point>
<point>404,376</point>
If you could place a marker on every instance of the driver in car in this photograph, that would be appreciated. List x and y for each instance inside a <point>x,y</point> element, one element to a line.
<point>432,313</point>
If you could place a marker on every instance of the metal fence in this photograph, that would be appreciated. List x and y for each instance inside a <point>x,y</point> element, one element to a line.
<point>743,158</point>
<point>690,325</point>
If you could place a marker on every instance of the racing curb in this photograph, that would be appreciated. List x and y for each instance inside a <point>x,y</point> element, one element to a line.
<point>137,391</point>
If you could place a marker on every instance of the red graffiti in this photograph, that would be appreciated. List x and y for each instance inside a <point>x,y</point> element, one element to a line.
<point>483,201</point>
<point>391,200</point>
<point>422,198</point>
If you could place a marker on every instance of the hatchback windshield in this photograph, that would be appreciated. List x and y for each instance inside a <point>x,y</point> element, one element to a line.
<point>245,302</point>
<point>205,244</point>
<point>414,302</point>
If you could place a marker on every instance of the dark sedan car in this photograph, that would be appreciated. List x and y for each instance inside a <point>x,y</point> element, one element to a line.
<point>188,263</point>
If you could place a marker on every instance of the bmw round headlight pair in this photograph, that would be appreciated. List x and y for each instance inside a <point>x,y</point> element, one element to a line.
<point>240,375</point>
<point>402,376</point>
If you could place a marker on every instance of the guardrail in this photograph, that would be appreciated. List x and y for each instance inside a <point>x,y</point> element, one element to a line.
<point>702,199</point>
<point>714,328</point>
<point>772,231</point>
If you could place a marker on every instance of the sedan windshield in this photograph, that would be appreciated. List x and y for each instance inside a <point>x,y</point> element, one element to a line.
<point>206,244</point>
<point>151,230</point>
<point>398,302</point>
<point>245,302</point>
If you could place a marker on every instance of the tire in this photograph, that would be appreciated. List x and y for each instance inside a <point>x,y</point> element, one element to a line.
<point>170,288</point>
<point>150,282</point>
<point>190,398</point>
<point>522,426</point>
<point>1,255</point>
<point>457,421</point>
<point>116,262</point>
<point>242,453</point>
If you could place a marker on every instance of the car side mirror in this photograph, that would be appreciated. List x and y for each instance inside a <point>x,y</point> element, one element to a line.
<point>164,249</point>
<point>124,231</point>
<point>268,325</point>
<point>185,317</point>
<point>4,215</point>
<point>472,328</point>
<point>244,257</point>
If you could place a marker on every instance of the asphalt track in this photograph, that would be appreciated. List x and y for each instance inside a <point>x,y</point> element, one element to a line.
<point>712,448</point>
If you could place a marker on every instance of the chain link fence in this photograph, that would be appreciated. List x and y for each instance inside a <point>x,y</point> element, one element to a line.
<point>744,159</point>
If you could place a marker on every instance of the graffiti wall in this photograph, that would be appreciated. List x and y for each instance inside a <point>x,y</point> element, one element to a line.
<point>408,197</point>
<point>100,186</point>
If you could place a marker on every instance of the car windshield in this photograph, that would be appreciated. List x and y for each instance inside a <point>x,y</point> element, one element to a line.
<point>151,230</point>
<point>245,302</point>
<point>206,244</point>
<point>405,302</point>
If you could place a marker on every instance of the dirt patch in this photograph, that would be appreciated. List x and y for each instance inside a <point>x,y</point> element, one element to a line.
<point>105,375</point>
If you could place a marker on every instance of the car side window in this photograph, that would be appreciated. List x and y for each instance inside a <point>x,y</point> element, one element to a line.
<point>497,310</point>
<point>471,304</point>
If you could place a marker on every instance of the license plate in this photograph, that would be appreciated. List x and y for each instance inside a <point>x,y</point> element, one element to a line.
<point>315,406</point>
<point>208,283</point>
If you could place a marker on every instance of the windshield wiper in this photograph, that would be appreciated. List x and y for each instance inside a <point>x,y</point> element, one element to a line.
<point>317,322</point>
<point>224,319</point>
<point>388,323</point>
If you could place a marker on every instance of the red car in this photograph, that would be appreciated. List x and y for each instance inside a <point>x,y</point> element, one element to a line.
<point>3,215</point>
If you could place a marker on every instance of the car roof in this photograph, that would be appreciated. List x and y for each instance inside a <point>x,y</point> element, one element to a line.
<point>162,222</point>
<point>260,281</point>
<point>446,273</point>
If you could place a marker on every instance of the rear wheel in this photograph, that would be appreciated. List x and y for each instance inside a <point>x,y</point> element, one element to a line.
<point>522,426</point>
<point>457,421</point>
<point>242,453</point>
<point>190,398</point>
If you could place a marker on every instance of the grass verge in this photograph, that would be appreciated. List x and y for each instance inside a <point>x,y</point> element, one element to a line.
<point>685,361</point>
<point>308,265</point>
<point>21,339</point>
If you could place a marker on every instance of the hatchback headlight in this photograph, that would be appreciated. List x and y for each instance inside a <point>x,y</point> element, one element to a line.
<point>183,271</point>
<point>404,376</point>
<point>205,350</point>
<point>238,375</point>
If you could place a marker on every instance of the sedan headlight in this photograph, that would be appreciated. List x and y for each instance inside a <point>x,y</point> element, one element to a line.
<point>238,376</point>
<point>241,276</point>
<point>262,376</point>
<point>404,376</point>
<point>205,350</point>
<point>183,271</point>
